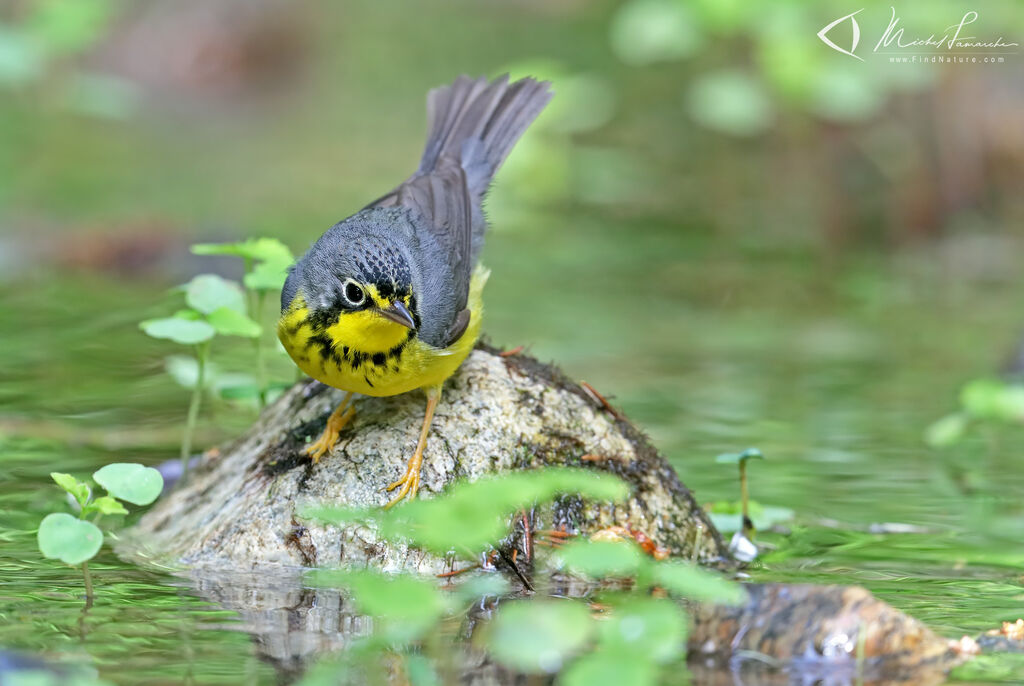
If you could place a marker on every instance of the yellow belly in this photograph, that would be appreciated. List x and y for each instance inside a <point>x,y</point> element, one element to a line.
<point>359,355</point>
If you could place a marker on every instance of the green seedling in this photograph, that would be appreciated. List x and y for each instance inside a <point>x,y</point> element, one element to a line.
<point>266,267</point>
<point>633,640</point>
<point>727,516</point>
<point>216,306</point>
<point>76,540</point>
<point>741,459</point>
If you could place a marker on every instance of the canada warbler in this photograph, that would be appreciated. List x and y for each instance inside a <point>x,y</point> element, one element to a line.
<point>389,300</point>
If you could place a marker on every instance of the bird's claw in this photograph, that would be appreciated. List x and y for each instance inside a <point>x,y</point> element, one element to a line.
<point>410,484</point>
<point>335,423</point>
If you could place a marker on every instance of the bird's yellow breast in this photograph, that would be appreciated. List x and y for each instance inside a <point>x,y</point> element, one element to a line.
<point>363,352</point>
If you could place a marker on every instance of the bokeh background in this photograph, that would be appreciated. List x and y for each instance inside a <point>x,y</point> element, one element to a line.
<point>739,235</point>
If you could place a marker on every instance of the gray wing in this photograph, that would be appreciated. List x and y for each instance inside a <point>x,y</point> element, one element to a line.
<point>473,125</point>
<point>443,199</point>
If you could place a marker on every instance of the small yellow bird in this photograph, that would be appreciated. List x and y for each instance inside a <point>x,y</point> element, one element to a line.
<point>390,299</point>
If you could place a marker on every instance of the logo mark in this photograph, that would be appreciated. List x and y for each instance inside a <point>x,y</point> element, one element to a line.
<point>856,34</point>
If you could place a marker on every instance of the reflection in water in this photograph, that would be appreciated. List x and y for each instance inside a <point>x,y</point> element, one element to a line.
<point>785,635</point>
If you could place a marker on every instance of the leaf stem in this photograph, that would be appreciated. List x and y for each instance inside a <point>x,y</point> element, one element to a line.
<point>744,498</point>
<point>261,363</point>
<point>88,583</point>
<point>202,350</point>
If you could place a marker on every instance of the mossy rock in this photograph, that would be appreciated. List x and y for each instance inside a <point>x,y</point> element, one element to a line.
<point>498,413</point>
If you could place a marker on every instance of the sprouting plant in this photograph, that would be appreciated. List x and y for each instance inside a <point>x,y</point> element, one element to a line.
<point>623,632</point>
<point>266,267</point>
<point>741,459</point>
<point>215,306</point>
<point>76,540</point>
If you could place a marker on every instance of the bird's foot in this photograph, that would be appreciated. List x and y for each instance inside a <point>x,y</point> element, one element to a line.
<point>338,420</point>
<point>410,483</point>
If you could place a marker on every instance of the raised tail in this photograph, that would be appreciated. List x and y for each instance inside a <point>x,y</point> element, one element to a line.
<point>477,123</point>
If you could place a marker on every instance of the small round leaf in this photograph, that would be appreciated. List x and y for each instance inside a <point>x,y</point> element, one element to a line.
<point>734,458</point>
<point>269,249</point>
<point>646,626</point>
<point>649,31</point>
<point>184,331</point>
<point>68,538</point>
<point>730,102</point>
<point>610,668</point>
<point>131,482</point>
<point>230,322</point>
<point>602,559</point>
<point>947,431</point>
<point>539,636</point>
<point>108,506</point>
<point>208,292</point>
<point>267,276</point>
<point>78,490</point>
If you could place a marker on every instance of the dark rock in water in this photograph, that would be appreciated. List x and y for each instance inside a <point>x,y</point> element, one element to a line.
<point>238,511</point>
<point>824,634</point>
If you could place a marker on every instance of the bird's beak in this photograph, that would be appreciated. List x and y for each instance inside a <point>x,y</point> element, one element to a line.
<point>399,314</point>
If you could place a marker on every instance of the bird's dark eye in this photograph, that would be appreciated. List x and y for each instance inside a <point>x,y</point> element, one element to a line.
<point>354,293</point>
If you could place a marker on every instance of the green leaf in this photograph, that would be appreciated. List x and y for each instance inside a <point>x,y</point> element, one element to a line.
<point>134,483</point>
<point>694,583</point>
<point>789,62</point>
<point>980,398</point>
<point>470,517</point>
<point>267,276</point>
<point>730,102</point>
<point>78,490</point>
<point>538,636</point>
<point>847,93</point>
<point>734,458</point>
<point>725,16</point>
<point>602,559</point>
<point>230,322</point>
<point>653,628</point>
<point>182,331</point>
<point>480,585</point>
<point>412,602</point>
<point>68,538</point>
<point>1011,404</point>
<point>421,670</point>
<point>107,505</point>
<point>609,668</point>
<point>649,31</point>
<point>994,400</point>
<point>727,516</point>
<point>68,25</point>
<point>266,249</point>
<point>187,313</point>
<point>22,59</point>
<point>209,292</point>
<point>947,431</point>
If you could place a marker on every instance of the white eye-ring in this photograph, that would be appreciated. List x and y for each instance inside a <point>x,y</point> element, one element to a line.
<point>353,293</point>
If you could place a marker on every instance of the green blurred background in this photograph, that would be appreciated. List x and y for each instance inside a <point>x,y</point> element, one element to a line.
<point>740,235</point>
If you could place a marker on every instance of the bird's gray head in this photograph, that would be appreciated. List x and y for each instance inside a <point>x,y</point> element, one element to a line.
<point>355,267</point>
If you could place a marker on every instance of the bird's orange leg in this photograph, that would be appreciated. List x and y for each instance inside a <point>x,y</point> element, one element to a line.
<point>341,416</point>
<point>410,482</point>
